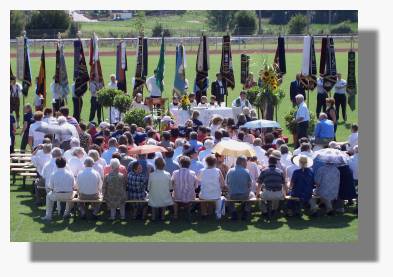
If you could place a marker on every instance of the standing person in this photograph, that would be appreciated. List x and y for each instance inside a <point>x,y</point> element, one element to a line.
<point>77,103</point>
<point>84,137</point>
<point>302,118</point>
<point>353,138</point>
<point>340,97</point>
<point>60,188</point>
<point>114,113</point>
<point>12,133</point>
<point>114,190</point>
<point>57,100</point>
<point>212,182</point>
<point>295,89</point>
<point>201,89</point>
<point>27,121</point>
<point>239,183</point>
<point>36,137</point>
<point>219,89</point>
<point>322,95</point>
<point>249,82</point>
<point>331,112</point>
<point>15,94</point>
<point>152,87</point>
<point>95,106</point>
<point>159,187</point>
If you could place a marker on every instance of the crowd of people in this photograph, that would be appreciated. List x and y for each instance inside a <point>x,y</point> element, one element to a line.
<point>93,161</point>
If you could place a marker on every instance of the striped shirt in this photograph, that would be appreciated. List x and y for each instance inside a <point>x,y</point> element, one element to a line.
<point>184,185</point>
<point>272,177</point>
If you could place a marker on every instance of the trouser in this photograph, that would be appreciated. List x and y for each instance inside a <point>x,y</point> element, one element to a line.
<point>82,206</point>
<point>78,104</point>
<point>204,207</point>
<point>15,107</point>
<point>220,98</point>
<point>24,141</point>
<point>273,196</point>
<point>245,207</point>
<point>122,209</point>
<point>301,131</point>
<point>57,105</point>
<point>199,94</point>
<point>326,202</point>
<point>321,103</point>
<point>12,145</point>
<point>95,107</point>
<point>341,100</point>
<point>51,197</point>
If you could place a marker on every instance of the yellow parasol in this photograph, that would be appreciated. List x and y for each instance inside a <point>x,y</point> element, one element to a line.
<point>234,148</point>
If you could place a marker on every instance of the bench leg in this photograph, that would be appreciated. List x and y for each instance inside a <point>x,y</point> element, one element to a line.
<point>24,182</point>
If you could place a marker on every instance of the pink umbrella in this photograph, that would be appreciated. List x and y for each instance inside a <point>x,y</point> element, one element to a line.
<point>146,149</point>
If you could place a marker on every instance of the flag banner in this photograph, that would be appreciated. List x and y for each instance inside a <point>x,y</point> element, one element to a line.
<point>279,58</point>
<point>161,66</point>
<point>12,76</point>
<point>202,64</point>
<point>26,81</point>
<point>61,78</point>
<point>180,84</point>
<point>244,67</point>
<point>308,77</point>
<point>322,60</point>
<point>95,64</point>
<point>330,76</point>
<point>81,76</point>
<point>121,66</point>
<point>20,57</point>
<point>141,66</point>
<point>351,80</point>
<point>226,68</point>
<point>41,83</point>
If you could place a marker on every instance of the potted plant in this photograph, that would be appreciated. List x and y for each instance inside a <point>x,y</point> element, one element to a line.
<point>106,96</point>
<point>122,102</point>
<point>135,116</point>
<point>290,123</point>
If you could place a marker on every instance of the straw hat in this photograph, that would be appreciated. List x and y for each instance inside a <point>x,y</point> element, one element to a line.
<point>301,159</point>
<point>276,154</point>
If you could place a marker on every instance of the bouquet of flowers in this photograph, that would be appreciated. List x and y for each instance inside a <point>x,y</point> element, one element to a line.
<point>185,103</point>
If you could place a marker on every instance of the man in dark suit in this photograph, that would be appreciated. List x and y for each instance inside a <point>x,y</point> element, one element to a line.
<point>219,89</point>
<point>295,89</point>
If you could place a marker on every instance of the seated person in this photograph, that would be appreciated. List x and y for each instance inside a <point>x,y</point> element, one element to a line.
<point>195,121</point>
<point>241,101</point>
<point>213,103</point>
<point>193,102</point>
<point>203,102</point>
<point>138,103</point>
<point>175,103</point>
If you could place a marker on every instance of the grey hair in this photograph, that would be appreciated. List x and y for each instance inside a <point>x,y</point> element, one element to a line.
<point>208,143</point>
<point>89,162</point>
<point>94,154</point>
<point>241,160</point>
<point>323,116</point>
<point>115,164</point>
<point>112,142</point>
<point>47,148</point>
<point>77,151</point>
<point>75,142</point>
<point>299,97</point>
<point>61,120</point>
<point>56,152</point>
<point>179,142</point>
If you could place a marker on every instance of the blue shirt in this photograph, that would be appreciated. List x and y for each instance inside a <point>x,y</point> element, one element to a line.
<point>324,129</point>
<point>238,180</point>
<point>107,155</point>
<point>170,165</point>
<point>195,144</point>
<point>196,166</point>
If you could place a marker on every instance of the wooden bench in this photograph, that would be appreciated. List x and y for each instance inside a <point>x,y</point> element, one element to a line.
<point>20,155</point>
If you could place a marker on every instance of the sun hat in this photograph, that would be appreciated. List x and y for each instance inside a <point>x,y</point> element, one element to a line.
<point>276,154</point>
<point>301,159</point>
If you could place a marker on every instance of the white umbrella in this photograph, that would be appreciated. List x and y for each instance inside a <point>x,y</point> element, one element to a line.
<point>261,123</point>
<point>234,148</point>
<point>330,155</point>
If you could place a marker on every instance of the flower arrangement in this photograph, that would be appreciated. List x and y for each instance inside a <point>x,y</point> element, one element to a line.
<point>271,78</point>
<point>185,103</point>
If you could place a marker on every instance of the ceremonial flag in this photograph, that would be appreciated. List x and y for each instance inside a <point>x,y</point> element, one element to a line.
<point>121,66</point>
<point>351,80</point>
<point>244,67</point>
<point>95,64</point>
<point>226,68</point>
<point>26,82</point>
<point>141,65</point>
<point>41,83</point>
<point>327,66</point>
<point>12,76</point>
<point>180,84</point>
<point>279,58</point>
<point>161,67</point>
<point>308,77</point>
<point>202,64</point>
<point>61,78</point>
<point>81,76</point>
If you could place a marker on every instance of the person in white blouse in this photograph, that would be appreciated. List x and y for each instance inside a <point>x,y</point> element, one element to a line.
<point>89,187</point>
<point>76,161</point>
<point>340,97</point>
<point>138,103</point>
<point>152,87</point>
<point>61,188</point>
<point>353,138</point>
<point>74,143</point>
<point>50,166</point>
<point>302,118</point>
<point>99,163</point>
<point>41,156</point>
<point>115,114</point>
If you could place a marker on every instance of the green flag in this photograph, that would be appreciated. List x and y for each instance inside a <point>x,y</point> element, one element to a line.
<point>160,67</point>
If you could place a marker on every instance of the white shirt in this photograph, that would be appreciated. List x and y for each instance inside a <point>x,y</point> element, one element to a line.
<point>99,168</point>
<point>286,160</point>
<point>16,90</point>
<point>37,100</point>
<point>76,165</point>
<point>203,154</point>
<point>72,130</point>
<point>302,111</point>
<point>254,173</point>
<point>320,88</point>
<point>353,140</point>
<point>194,104</point>
<point>51,120</point>
<point>261,155</point>
<point>68,154</point>
<point>112,85</point>
<point>89,181</point>
<point>55,91</point>
<point>95,87</point>
<point>210,183</point>
<point>290,170</point>
<point>353,163</point>
<point>39,160</point>
<point>152,86</point>
<point>206,105</point>
<point>243,103</point>
<point>340,87</point>
<point>38,137</point>
<point>61,181</point>
<point>136,105</point>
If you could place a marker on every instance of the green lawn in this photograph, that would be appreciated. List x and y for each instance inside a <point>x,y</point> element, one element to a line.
<point>26,225</point>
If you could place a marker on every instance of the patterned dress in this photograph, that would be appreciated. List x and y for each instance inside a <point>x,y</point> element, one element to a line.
<point>114,190</point>
<point>328,178</point>
<point>137,185</point>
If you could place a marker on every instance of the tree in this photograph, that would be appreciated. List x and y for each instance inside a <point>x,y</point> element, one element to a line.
<point>17,23</point>
<point>59,20</point>
<point>158,30</point>
<point>220,20</point>
<point>140,21</point>
<point>245,22</point>
<point>297,24</point>
<point>279,17</point>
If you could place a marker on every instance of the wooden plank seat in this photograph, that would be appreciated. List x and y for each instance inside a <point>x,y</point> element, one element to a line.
<point>13,165</point>
<point>23,169</point>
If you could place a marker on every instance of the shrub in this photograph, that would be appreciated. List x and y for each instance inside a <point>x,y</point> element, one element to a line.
<point>220,20</point>
<point>290,124</point>
<point>54,19</point>
<point>17,23</point>
<point>245,22</point>
<point>158,30</point>
<point>106,96</point>
<point>73,30</point>
<point>122,102</point>
<point>297,24</point>
<point>135,116</point>
<point>342,28</point>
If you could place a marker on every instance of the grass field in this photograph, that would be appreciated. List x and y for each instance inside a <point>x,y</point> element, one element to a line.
<point>25,216</point>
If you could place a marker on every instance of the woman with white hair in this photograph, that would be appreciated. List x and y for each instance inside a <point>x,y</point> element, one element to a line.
<point>208,144</point>
<point>114,190</point>
<point>98,165</point>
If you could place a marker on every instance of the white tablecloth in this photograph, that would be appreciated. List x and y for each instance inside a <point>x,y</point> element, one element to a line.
<point>206,114</point>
